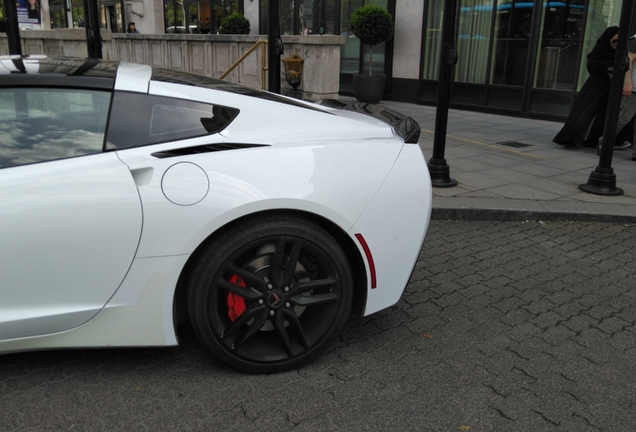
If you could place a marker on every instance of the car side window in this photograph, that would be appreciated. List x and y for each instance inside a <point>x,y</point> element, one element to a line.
<point>159,119</point>
<point>45,124</point>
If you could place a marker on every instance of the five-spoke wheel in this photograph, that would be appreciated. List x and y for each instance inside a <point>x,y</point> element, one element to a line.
<point>270,293</point>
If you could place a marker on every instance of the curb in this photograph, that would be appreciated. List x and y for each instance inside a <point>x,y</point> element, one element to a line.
<point>476,214</point>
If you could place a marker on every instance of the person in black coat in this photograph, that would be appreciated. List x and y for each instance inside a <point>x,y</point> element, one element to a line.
<point>586,121</point>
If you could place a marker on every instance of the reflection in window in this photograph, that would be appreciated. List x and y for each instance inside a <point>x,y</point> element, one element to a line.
<point>306,17</point>
<point>561,24</point>
<point>57,11</point>
<point>41,125</point>
<point>167,119</point>
<point>350,61</point>
<point>174,16</point>
<point>77,11</point>
<point>433,41</point>
<point>512,40</point>
<point>475,22</point>
<point>601,14</point>
<point>111,16</point>
<point>158,119</point>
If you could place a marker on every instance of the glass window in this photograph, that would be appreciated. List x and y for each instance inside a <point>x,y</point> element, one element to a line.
<point>558,49</point>
<point>306,17</point>
<point>161,119</point>
<point>171,119</point>
<point>193,18</point>
<point>40,125</point>
<point>324,19</point>
<point>433,42</point>
<point>174,16</point>
<point>350,51</point>
<point>511,44</point>
<point>221,9</point>
<point>286,8</point>
<point>57,11</point>
<point>77,10</point>
<point>473,41</point>
<point>350,62</point>
<point>111,16</point>
<point>601,14</point>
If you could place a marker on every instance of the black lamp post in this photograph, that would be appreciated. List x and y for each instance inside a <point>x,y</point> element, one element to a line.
<point>274,48</point>
<point>11,27</point>
<point>602,180</point>
<point>437,166</point>
<point>93,35</point>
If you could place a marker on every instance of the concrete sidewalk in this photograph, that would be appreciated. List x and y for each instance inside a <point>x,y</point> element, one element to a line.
<point>508,168</point>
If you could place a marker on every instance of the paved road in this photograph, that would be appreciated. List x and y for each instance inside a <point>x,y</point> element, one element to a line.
<point>512,326</point>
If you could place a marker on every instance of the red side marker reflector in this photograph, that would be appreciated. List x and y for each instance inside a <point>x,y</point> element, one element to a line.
<point>367,252</point>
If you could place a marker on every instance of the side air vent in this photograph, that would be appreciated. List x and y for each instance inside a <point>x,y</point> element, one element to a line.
<point>207,148</point>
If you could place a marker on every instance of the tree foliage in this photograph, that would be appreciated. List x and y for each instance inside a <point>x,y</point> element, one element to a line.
<point>372,24</point>
<point>235,24</point>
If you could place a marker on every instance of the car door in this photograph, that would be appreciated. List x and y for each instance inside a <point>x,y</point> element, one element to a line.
<point>70,214</point>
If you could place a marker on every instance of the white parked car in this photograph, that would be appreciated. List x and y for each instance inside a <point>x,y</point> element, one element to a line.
<point>132,199</point>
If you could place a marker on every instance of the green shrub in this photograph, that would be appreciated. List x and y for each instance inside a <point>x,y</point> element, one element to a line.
<point>235,24</point>
<point>372,25</point>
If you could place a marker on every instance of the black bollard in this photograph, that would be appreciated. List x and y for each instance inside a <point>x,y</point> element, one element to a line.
<point>439,169</point>
<point>602,180</point>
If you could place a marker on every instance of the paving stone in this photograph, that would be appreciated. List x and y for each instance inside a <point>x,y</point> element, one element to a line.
<point>516,327</point>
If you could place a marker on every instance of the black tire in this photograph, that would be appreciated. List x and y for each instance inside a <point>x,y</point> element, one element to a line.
<point>258,313</point>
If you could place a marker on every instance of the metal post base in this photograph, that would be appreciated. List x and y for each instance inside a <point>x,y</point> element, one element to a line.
<point>440,173</point>
<point>602,181</point>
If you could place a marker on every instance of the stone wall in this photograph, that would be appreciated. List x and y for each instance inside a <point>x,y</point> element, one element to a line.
<point>209,55</point>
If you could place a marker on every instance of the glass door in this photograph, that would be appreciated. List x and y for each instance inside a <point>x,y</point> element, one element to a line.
<point>559,43</point>
<point>111,16</point>
<point>511,43</point>
<point>354,56</point>
<point>57,11</point>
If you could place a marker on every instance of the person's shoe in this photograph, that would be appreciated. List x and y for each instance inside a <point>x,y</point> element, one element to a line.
<point>626,144</point>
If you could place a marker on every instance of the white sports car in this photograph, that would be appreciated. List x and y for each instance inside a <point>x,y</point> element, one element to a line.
<point>132,199</point>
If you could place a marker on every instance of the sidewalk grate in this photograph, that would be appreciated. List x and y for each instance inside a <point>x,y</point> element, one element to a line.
<point>514,144</point>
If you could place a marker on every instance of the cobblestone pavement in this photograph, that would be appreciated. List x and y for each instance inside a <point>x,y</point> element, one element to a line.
<point>513,326</point>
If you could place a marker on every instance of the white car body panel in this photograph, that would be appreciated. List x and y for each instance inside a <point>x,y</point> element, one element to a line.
<point>140,314</point>
<point>406,188</point>
<point>94,202</point>
<point>231,197</point>
<point>133,77</point>
<point>350,169</point>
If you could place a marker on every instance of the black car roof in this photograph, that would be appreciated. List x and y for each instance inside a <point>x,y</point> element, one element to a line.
<point>185,78</point>
<point>94,73</point>
<point>41,71</point>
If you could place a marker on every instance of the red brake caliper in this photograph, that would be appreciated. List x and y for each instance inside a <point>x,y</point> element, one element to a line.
<point>235,303</point>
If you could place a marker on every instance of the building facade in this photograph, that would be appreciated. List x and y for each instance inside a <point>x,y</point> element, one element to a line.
<point>523,57</point>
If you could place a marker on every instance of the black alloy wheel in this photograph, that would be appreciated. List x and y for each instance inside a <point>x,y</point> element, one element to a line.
<point>270,294</point>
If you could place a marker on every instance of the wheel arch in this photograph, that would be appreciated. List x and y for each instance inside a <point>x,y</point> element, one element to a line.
<point>354,257</point>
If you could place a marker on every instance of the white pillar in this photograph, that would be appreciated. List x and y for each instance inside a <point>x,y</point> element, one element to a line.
<point>250,8</point>
<point>407,44</point>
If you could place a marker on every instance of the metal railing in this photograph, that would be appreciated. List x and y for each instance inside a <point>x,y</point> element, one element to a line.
<point>263,45</point>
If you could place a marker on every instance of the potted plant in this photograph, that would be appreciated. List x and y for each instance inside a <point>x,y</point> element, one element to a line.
<point>235,23</point>
<point>372,25</point>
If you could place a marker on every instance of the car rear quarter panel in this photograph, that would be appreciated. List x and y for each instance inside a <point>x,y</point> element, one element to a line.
<point>394,225</point>
<point>334,180</point>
